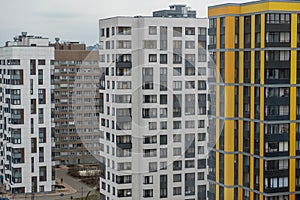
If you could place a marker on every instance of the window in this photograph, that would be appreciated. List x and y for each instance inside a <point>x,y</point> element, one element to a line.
<point>150,44</point>
<point>113,31</point>
<point>163,125</point>
<point>212,40</point>
<point>202,31</point>
<point>189,124</point>
<point>177,151</point>
<point>152,166</point>
<point>278,18</point>
<point>176,71</point>
<point>152,58</point>
<point>16,136</point>
<point>189,164</point>
<point>176,191</point>
<point>102,32</point>
<point>189,31</point>
<point>201,164</point>
<point>163,166</point>
<point>177,31</point>
<point>190,44</point>
<point>200,176</point>
<point>40,77</point>
<point>201,85</point>
<point>148,193</point>
<point>273,37</point>
<point>177,178</point>
<point>177,85</point>
<point>17,116</point>
<point>124,166</point>
<point>15,96</point>
<point>150,139</point>
<point>43,173</point>
<point>176,138</point>
<point>202,71</point>
<point>177,125</point>
<point>190,85</point>
<point>163,140</point>
<point>163,112</point>
<point>123,30</point>
<point>152,125</point>
<point>150,98</point>
<point>152,30</point>
<point>276,55</point>
<point>177,44</point>
<point>41,62</point>
<point>177,58</point>
<point>163,99</point>
<point>177,165</point>
<point>32,67</point>
<point>163,58</point>
<point>123,44</point>
<point>42,96</point>
<point>14,62</point>
<point>42,135</point>
<point>163,152</point>
<point>124,85</point>
<point>41,154</point>
<point>17,175</point>
<point>189,188</point>
<point>276,146</point>
<point>201,150</point>
<point>201,137</point>
<point>149,112</point>
<point>148,179</point>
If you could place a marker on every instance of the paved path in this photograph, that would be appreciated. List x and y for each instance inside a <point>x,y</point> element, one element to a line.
<point>73,186</point>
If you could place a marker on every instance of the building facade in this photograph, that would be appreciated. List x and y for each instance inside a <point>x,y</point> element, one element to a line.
<point>26,120</point>
<point>153,107</point>
<point>254,124</point>
<point>76,77</point>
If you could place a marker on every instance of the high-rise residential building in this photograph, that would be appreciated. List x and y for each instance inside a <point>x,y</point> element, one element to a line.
<point>26,66</point>
<point>76,93</point>
<point>254,130</point>
<point>153,106</point>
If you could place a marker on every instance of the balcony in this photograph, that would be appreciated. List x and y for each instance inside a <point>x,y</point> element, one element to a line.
<point>276,190</point>
<point>280,64</point>
<point>124,64</point>
<point>269,173</point>
<point>202,37</point>
<point>124,145</point>
<point>278,27</point>
<point>212,31</point>
<point>278,44</point>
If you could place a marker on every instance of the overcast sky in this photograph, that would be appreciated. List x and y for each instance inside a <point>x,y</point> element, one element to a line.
<point>77,20</point>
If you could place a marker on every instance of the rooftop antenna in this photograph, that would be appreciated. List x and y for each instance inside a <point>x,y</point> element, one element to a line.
<point>57,40</point>
<point>24,34</point>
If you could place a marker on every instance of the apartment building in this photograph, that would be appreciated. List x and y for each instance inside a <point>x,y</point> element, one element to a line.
<point>254,125</point>
<point>26,67</point>
<point>76,115</point>
<point>153,106</point>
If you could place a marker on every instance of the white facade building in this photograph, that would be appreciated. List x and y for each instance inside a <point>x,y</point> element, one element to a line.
<point>26,65</point>
<point>153,102</point>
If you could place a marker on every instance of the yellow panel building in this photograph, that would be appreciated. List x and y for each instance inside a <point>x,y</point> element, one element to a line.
<point>255,101</point>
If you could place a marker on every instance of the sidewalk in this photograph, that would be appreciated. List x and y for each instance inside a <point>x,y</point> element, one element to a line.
<point>73,188</point>
<point>67,190</point>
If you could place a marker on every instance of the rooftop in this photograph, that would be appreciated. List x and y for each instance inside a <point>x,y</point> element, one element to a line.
<point>176,11</point>
<point>27,40</point>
